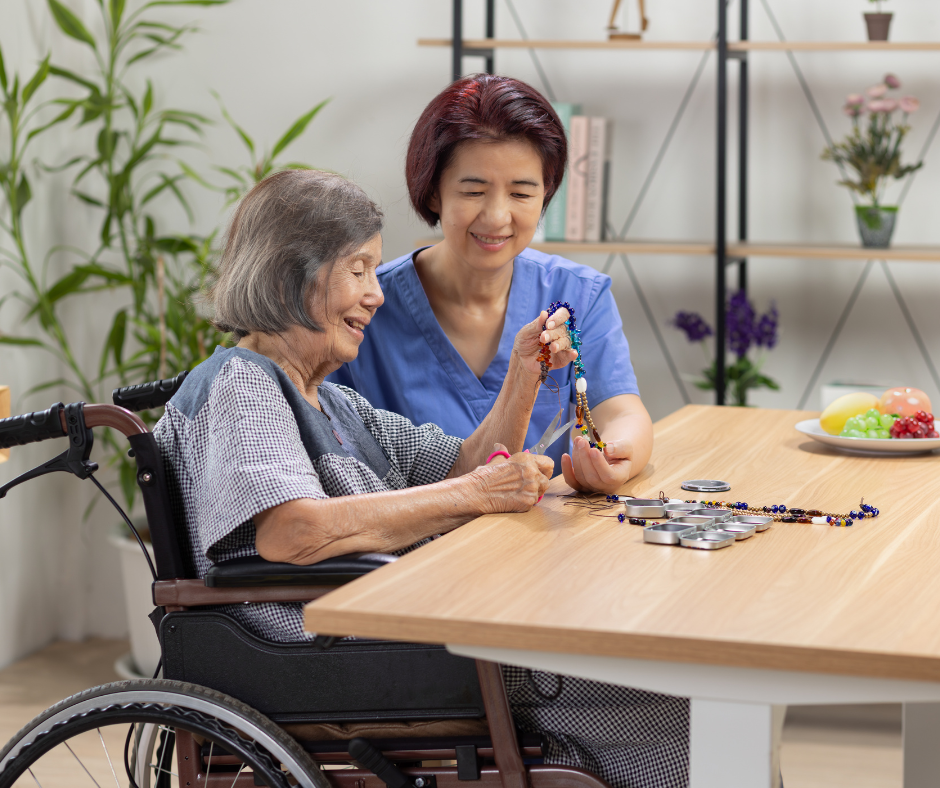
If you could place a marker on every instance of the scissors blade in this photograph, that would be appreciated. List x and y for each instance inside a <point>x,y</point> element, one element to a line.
<point>552,434</point>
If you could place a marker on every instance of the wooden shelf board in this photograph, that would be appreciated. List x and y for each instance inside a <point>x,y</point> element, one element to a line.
<point>734,46</point>
<point>508,43</point>
<point>923,254</point>
<point>834,46</point>
<point>692,248</point>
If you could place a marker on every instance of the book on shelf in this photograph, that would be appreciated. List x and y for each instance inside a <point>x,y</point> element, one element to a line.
<point>577,178</point>
<point>598,178</point>
<point>554,221</point>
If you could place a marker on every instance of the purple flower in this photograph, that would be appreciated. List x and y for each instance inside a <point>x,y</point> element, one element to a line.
<point>766,332</point>
<point>909,104</point>
<point>739,322</point>
<point>695,328</point>
<point>877,91</point>
<point>854,100</point>
<point>892,81</point>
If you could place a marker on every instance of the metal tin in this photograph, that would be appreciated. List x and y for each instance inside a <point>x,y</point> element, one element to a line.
<point>706,485</point>
<point>680,509</point>
<point>719,515</point>
<point>644,507</point>
<point>700,523</point>
<point>762,523</point>
<point>740,530</point>
<point>666,533</point>
<point>707,540</point>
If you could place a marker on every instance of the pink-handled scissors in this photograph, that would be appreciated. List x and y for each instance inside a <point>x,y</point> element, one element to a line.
<point>551,434</point>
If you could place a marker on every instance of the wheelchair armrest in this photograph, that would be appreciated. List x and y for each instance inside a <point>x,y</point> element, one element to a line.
<point>254,571</point>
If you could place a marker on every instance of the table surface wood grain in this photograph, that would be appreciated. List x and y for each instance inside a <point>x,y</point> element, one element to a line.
<point>859,601</point>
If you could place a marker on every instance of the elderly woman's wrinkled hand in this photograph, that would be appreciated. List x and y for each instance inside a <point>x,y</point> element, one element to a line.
<point>513,485</point>
<point>545,330</point>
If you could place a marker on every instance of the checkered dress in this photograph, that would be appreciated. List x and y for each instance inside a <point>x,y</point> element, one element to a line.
<point>238,439</point>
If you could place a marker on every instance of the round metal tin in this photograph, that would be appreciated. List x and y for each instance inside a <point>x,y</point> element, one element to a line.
<point>644,507</point>
<point>740,530</point>
<point>706,485</point>
<point>719,515</point>
<point>707,540</point>
<point>700,523</point>
<point>762,523</point>
<point>666,533</point>
<point>680,509</point>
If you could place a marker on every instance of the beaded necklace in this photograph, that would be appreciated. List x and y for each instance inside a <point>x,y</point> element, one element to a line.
<point>582,410</point>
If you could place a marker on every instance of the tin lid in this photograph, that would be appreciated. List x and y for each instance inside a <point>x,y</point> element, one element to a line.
<point>706,485</point>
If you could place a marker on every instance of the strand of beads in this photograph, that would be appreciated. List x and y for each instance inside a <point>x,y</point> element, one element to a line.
<point>583,411</point>
<point>782,514</point>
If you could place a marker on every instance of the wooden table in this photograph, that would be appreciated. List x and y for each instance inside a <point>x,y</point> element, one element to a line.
<point>799,614</point>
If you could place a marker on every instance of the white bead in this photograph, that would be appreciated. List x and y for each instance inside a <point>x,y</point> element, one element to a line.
<point>819,521</point>
<point>581,385</point>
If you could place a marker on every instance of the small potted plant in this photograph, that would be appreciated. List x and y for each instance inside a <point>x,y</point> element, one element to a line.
<point>873,151</point>
<point>878,23</point>
<point>744,330</point>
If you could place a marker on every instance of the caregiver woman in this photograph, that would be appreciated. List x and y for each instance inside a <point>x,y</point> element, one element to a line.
<point>484,160</point>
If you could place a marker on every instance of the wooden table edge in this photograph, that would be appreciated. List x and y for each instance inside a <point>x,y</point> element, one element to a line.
<point>761,656</point>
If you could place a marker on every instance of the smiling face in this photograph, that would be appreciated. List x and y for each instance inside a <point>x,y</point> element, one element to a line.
<point>490,200</point>
<point>344,302</point>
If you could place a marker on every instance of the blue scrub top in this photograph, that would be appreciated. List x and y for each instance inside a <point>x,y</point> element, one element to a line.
<point>406,363</point>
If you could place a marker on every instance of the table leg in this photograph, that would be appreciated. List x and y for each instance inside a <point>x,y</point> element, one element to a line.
<point>921,744</point>
<point>735,745</point>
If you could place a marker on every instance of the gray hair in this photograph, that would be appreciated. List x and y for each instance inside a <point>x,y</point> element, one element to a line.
<point>288,227</point>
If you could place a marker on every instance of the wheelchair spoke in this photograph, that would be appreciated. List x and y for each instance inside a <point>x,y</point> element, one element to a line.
<point>34,778</point>
<point>108,756</point>
<point>81,764</point>
<point>238,775</point>
<point>209,761</point>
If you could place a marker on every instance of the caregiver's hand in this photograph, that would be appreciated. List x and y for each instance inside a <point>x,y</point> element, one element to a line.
<point>591,470</point>
<point>513,485</point>
<point>532,336</point>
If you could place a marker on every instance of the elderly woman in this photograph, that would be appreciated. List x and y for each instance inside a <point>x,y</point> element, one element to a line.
<point>485,158</point>
<point>267,459</point>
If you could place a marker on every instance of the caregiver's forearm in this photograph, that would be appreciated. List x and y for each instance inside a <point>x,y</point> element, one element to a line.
<point>507,421</point>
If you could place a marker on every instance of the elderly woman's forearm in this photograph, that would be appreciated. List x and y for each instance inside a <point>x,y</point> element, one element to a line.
<point>305,531</point>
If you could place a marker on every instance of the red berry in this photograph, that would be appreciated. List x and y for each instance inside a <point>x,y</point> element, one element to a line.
<point>923,416</point>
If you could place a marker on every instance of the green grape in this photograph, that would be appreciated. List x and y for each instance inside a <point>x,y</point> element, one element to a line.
<point>873,433</point>
<point>852,434</point>
<point>872,423</point>
<point>851,423</point>
<point>887,421</point>
<point>883,433</point>
<point>872,414</point>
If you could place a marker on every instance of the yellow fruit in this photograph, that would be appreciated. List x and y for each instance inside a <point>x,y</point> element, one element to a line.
<point>841,410</point>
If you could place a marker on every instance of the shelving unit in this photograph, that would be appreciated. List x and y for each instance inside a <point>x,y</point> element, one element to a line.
<point>724,250</point>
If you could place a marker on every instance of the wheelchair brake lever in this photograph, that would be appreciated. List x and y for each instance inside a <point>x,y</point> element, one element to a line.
<point>74,459</point>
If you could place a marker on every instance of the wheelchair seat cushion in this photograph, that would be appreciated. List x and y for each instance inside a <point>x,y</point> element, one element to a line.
<point>423,729</point>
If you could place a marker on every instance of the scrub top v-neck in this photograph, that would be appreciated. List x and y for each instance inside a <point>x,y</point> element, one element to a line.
<point>408,365</point>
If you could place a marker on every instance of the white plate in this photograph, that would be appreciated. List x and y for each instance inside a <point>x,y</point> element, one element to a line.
<point>868,445</point>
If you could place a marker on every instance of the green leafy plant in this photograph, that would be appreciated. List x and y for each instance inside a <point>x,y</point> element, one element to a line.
<point>873,149</point>
<point>159,328</point>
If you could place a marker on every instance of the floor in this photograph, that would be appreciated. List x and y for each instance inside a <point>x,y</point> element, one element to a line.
<point>823,747</point>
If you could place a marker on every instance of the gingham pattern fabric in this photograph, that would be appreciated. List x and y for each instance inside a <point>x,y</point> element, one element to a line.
<point>629,737</point>
<point>242,452</point>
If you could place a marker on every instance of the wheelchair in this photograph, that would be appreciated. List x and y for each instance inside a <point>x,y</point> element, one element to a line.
<point>234,710</point>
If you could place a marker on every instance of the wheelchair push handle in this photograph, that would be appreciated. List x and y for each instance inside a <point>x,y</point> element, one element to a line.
<point>144,396</point>
<point>42,425</point>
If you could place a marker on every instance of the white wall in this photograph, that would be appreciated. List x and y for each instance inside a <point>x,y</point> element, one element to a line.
<point>270,61</point>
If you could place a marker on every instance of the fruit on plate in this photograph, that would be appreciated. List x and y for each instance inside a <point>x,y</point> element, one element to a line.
<point>834,417</point>
<point>870,424</point>
<point>920,425</point>
<point>904,401</point>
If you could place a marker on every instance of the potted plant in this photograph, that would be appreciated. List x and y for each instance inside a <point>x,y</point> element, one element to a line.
<point>873,150</point>
<point>745,330</point>
<point>878,23</point>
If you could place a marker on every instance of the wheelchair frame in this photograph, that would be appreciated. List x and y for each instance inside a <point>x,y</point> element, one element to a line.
<point>183,605</point>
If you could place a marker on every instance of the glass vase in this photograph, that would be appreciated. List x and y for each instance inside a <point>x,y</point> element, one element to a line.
<point>876,224</point>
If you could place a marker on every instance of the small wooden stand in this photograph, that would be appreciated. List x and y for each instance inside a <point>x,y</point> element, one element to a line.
<point>4,412</point>
<point>613,31</point>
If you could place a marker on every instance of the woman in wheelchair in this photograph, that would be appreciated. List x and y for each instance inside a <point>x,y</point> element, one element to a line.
<point>265,458</point>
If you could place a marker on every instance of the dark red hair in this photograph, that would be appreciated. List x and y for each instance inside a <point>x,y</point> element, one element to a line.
<point>482,107</point>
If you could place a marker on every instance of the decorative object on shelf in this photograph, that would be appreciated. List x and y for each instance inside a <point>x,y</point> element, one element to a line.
<point>873,150</point>
<point>745,330</point>
<point>878,23</point>
<point>613,29</point>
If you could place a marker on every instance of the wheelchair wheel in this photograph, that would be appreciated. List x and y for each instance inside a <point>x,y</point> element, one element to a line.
<point>125,733</point>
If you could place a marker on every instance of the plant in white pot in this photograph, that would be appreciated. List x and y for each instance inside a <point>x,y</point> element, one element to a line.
<point>873,150</point>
